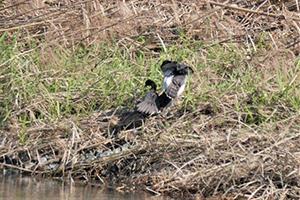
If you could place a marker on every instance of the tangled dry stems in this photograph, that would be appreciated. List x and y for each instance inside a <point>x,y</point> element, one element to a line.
<point>67,23</point>
<point>213,150</point>
<point>184,155</point>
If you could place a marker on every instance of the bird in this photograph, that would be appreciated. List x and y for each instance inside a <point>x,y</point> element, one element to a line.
<point>175,78</point>
<point>149,105</point>
<point>144,109</point>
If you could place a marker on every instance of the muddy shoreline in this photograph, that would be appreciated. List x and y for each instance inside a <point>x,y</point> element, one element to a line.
<point>146,158</point>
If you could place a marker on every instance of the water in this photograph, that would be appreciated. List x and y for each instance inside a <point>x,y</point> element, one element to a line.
<point>18,187</point>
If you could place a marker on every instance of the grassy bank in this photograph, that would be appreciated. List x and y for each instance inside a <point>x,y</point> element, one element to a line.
<point>234,132</point>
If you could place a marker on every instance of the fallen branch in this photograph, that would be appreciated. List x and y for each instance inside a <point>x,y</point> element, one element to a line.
<point>250,11</point>
<point>21,168</point>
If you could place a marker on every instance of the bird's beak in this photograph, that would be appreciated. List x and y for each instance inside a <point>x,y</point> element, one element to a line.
<point>191,71</point>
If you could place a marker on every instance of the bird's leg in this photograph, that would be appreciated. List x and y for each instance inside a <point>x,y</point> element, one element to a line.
<point>134,101</point>
<point>166,111</point>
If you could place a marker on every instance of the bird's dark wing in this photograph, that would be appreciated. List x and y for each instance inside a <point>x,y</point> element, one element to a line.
<point>148,105</point>
<point>169,66</point>
<point>183,69</point>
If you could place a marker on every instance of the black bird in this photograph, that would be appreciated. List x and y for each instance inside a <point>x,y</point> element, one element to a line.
<point>149,105</point>
<point>175,77</point>
<point>144,109</point>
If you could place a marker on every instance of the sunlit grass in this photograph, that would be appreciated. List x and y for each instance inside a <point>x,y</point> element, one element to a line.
<point>69,82</point>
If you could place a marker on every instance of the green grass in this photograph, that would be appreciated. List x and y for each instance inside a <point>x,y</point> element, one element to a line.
<point>47,85</point>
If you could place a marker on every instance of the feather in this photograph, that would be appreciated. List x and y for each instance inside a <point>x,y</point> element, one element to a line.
<point>148,104</point>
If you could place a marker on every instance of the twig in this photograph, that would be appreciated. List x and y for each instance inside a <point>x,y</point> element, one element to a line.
<point>209,13</point>
<point>162,42</point>
<point>21,168</point>
<point>293,44</point>
<point>250,11</point>
<point>16,4</point>
<point>28,25</point>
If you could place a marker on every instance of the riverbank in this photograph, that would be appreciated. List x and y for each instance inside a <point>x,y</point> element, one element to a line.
<point>71,74</point>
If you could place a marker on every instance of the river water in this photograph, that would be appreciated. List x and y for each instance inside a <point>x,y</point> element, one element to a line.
<point>18,187</point>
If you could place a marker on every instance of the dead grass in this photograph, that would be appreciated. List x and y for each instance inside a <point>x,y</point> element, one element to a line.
<point>63,23</point>
<point>234,135</point>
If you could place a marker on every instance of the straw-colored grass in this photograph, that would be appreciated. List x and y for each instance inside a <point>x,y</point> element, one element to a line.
<point>71,73</point>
